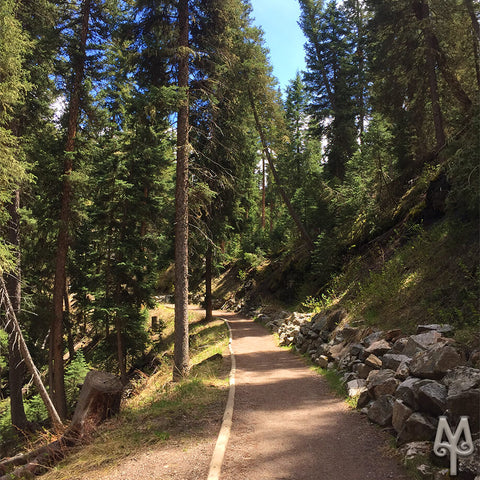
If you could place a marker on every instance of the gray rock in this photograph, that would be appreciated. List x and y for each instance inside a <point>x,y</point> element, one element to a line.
<point>469,467</point>
<point>413,450</point>
<point>432,397</point>
<point>440,328</point>
<point>401,412</point>
<point>379,348</point>
<point>406,392</point>
<point>338,351</point>
<point>373,361</point>
<point>461,379</point>
<point>417,427</point>
<point>382,382</point>
<point>356,387</point>
<point>435,362</point>
<point>357,349</point>
<point>421,342</point>
<point>363,399</point>
<point>403,371</point>
<point>381,410</point>
<point>373,337</point>
<point>399,345</point>
<point>465,403</point>
<point>321,361</point>
<point>393,360</point>
<point>362,370</point>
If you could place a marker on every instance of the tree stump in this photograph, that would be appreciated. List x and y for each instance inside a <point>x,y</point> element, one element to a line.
<point>99,399</point>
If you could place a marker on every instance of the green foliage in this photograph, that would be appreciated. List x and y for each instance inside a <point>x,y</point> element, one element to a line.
<point>75,374</point>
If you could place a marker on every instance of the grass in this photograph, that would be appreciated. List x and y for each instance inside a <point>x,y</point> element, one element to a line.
<point>159,412</point>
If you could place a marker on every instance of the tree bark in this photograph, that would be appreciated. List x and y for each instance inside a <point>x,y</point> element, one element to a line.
<point>208,284</point>
<point>68,322</point>
<point>263,191</point>
<point>181,353</point>
<point>301,228</point>
<point>57,386</point>
<point>12,322</point>
<point>122,364</point>
<point>473,17</point>
<point>422,12</point>
<point>16,367</point>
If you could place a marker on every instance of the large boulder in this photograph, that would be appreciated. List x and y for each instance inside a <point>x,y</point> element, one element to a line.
<point>378,348</point>
<point>400,414</point>
<point>406,392</point>
<point>356,387</point>
<point>373,361</point>
<point>382,382</point>
<point>444,329</point>
<point>435,362</point>
<point>418,427</point>
<point>421,342</point>
<point>394,360</point>
<point>381,410</point>
<point>432,397</point>
<point>462,379</point>
<point>466,403</point>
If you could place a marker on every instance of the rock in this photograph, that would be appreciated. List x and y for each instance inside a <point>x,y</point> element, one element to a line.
<point>412,450</point>
<point>373,337</point>
<point>465,403</point>
<point>469,467</point>
<point>421,342</point>
<point>337,352</point>
<point>393,360</point>
<point>432,397</point>
<point>444,328</point>
<point>425,471</point>
<point>382,382</point>
<point>435,362</point>
<point>362,370</point>
<point>406,392</point>
<point>399,345</point>
<point>461,379</point>
<point>321,361</point>
<point>378,348</point>
<point>393,335</point>
<point>381,410</point>
<point>373,361</point>
<point>418,426</point>
<point>403,371</point>
<point>363,399</point>
<point>401,412</point>
<point>357,349</point>
<point>356,387</point>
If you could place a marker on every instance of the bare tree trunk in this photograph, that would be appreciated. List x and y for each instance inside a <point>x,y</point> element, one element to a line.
<point>263,191</point>
<point>122,364</point>
<point>181,353</point>
<point>471,12</point>
<point>16,367</point>
<point>57,386</point>
<point>12,322</point>
<point>68,322</point>
<point>301,228</point>
<point>208,284</point>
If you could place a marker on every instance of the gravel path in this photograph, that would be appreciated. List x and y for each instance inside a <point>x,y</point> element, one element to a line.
<point>287,425</point>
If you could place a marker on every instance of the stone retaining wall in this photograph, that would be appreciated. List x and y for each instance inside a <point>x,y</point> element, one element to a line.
<point>403,382</point>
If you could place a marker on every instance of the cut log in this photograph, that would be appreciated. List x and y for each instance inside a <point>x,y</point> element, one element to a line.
<point>99,399</point>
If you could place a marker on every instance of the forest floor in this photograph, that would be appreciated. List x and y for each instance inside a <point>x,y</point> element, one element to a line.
<point>287,424</point>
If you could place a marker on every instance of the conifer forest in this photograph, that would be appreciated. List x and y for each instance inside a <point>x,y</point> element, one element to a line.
<point>147,150</point>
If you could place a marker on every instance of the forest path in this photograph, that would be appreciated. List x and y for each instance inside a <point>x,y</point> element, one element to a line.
<point>287,425</point>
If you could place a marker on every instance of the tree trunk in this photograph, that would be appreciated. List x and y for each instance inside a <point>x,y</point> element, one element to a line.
<point>57,386</point>
<point>301,228</point>
<point>473,17</point>
<point>422,12</point>
<point>68,322</point>
<point>12,322</point>
<point>181,354</point>
<point>263,191</point>
<point>16,368</point>
<point>122,364</point>
<point>208,284</point>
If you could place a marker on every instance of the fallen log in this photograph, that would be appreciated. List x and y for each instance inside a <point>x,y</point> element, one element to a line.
<point>99,399</point>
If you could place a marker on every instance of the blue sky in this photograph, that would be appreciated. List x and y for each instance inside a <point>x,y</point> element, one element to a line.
<point>284,38</point>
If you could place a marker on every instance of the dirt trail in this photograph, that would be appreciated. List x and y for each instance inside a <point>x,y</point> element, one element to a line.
<point>287,425</point>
